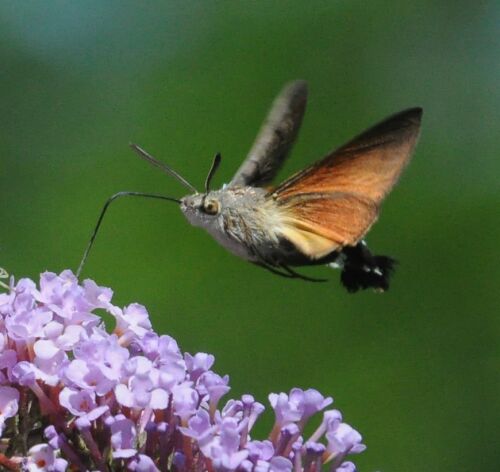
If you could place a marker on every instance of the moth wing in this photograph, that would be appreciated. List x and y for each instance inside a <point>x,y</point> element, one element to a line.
<point>338,198</point>
<point>318,224</point>
<point>275,138</point>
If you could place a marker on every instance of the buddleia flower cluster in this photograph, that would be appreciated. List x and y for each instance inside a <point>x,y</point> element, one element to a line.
<point>75,397</point>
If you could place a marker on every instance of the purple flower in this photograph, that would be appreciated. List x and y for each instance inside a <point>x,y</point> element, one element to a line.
<point>78,402</point>
<point>185,400</point>
<point>53,287</point>
<point>286,410</point>
<point>80,374</point>
<point>331,420</point>
<point>314,454</point>
<point>24,374</point>
<point>123,436</point>
<point>165,353</point>
<point>142,463</point>
<point>8,359</point>
<point>312,401</point>
<point>346,467</point>
<point>98,297</point>
<point>132,400</point>
<point>288,435</point>
<point>213,386</point>
<point>68,300</point>
<point>251,409</point>
<point>21,297</point>
<point>198,364</point>
<point>28,325</point>
<point>168,351</point>
<point>344,439</point>
<point>260,450</point>
<point>276,464</point>
<point>142,386</point>
<point>280,464</point>
<point>225,451</point>
<point>42,457</point>
<point>49,361</point>
<point>314,449</point>
<point>103,357</point>
<point>9,404</point>
<point>299,405</point>
<point>64,337</point>
<point>202,430</point>
<point>132,322</point>
<point>232,408</point>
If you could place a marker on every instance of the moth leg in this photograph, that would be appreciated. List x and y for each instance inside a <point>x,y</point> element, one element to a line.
<point>300,276</point>
<point>271,268</point>
<point>275,271</point>
<point>288,272</point>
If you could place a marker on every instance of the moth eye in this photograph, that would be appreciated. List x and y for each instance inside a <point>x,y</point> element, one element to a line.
<point>211,207</point>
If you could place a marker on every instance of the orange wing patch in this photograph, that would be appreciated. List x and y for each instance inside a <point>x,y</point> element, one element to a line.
<point>369,165</point>
<point>319,224</point>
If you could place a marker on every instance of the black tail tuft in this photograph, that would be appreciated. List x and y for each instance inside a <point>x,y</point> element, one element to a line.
<point>363,270</point>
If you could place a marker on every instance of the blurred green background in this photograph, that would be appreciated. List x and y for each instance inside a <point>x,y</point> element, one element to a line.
<point>415,369</point>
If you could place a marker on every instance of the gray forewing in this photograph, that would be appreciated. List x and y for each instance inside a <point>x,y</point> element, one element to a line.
<point>275,138</point>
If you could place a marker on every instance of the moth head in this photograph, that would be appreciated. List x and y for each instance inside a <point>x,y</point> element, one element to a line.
<point>202,209</point>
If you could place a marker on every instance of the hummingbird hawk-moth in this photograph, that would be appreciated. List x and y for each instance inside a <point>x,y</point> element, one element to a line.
<point>320,215</point>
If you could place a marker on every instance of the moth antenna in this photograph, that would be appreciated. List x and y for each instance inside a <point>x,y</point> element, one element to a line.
<point>103,212</point>
<point>212,171</point>
<point>148,157</point>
